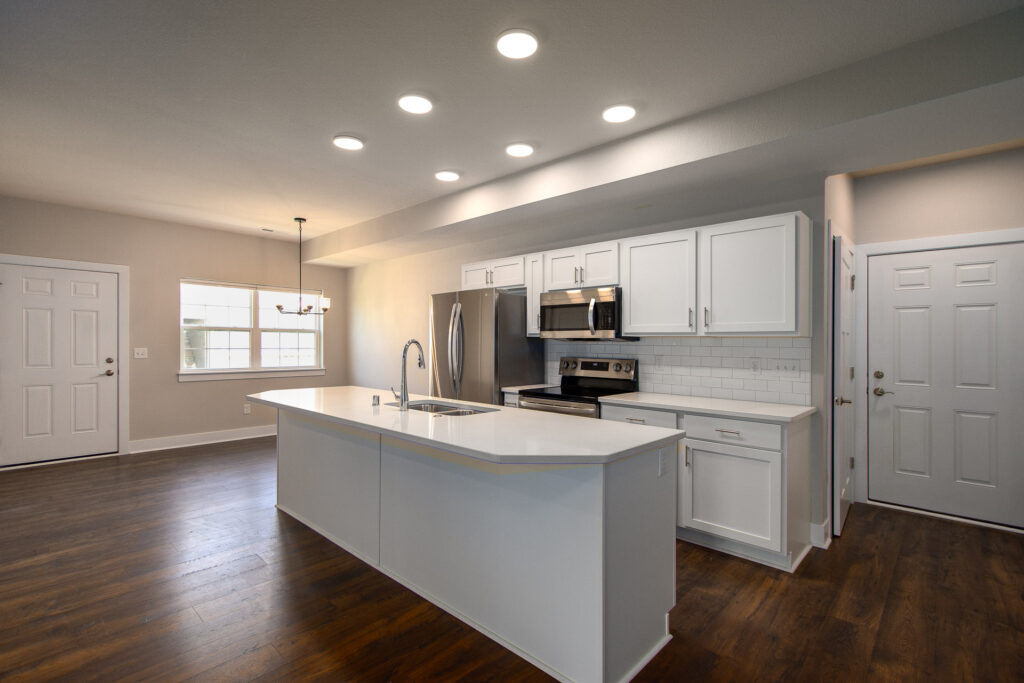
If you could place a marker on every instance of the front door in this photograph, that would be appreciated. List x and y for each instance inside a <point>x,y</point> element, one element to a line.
<point>58,363</point>
<point>946,381</point>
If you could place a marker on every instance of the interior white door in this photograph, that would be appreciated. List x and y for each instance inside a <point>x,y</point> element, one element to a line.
<point>946,389</point>
<point>58,363</point>
<point>842,382</point>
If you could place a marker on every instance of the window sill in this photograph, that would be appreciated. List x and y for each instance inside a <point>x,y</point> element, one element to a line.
<point>213,375</point>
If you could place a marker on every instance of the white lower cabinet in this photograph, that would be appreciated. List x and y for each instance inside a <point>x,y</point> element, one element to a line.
<point>510,399</point>
<point>732,492</point>
<point>744,488</point>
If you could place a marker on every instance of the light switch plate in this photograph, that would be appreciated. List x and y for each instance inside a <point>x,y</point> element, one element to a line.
<point>141,352</point>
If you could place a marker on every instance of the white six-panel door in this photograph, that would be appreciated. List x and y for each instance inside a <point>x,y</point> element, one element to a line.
<point>60,329</point>
<point>946,353</point>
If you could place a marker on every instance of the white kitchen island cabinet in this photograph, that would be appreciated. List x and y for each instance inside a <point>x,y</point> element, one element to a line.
<point>554,536</point>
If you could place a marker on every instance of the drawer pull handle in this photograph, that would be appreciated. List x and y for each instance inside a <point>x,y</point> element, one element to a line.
<point>728,431</point>
<point>638,420</point>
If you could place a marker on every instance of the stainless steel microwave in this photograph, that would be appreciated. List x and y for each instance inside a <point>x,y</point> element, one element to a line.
<point>582,314</point>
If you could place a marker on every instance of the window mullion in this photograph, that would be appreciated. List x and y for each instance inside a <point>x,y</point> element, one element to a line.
<point>255,353</point>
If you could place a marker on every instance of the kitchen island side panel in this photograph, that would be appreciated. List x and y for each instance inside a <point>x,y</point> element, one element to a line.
<point>519,553</point>
<point>328,477</point>
<point>639,559</point>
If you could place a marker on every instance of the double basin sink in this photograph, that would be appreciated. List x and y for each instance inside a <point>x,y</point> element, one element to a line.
<point>447,409</point>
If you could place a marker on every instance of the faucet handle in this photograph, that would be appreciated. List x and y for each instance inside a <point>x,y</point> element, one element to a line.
<point>397,397</point>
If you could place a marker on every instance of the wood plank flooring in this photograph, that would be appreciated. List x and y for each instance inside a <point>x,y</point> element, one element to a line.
<point>176,566</point>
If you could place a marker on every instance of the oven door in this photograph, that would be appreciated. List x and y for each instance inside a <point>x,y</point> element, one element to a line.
<point>563,407</point>
<point>580,314</point>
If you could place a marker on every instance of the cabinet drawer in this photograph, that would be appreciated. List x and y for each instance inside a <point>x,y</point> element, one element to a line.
<point>738,432</point>
<point>641,416</point>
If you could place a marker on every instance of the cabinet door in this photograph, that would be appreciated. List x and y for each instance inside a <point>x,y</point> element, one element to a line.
<point>599,264</point>
<point>507,272</point>
<point>659,283</point>
<point>732,492</point>
<point>534,286</point>
<point>561,269</point>
<point>476,275</point>
<point>749,276</point>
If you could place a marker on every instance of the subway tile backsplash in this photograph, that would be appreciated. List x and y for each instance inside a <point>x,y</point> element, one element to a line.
<point>769,369</point>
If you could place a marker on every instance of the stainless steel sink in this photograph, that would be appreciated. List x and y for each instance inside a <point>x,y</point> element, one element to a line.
<point>444,408</point>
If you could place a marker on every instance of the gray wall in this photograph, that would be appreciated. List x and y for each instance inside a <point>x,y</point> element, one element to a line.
<point>971,195</point>
<point>159,254</point>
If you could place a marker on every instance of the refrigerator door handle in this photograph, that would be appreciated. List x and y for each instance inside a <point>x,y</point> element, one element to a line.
<point>451,349</point>
<point>590,315</point>
<point>460,353</point>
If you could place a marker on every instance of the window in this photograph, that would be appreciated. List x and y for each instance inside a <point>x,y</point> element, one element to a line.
<point>228,328</point>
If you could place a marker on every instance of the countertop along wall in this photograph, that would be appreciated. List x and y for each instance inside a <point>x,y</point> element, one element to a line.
<point>159,254</point>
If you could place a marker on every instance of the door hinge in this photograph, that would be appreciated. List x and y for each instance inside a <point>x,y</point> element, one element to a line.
<point>851,373</point>
<point>851,463</point>
<point>853,279</point>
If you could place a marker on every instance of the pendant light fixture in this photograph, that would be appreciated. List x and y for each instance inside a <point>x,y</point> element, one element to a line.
<point>325,303</point>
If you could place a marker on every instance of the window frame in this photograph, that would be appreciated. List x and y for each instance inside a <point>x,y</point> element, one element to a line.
<point>255,337</point>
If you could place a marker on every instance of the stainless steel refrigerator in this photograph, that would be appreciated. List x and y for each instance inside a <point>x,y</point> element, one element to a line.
<point>478,345</point>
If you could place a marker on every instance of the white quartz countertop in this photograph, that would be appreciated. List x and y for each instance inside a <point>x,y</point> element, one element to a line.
<point>504,436</point>
<point>516,390</point>
<point>751,410</point>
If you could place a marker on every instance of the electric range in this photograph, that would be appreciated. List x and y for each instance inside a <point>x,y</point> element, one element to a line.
<point>584,381</point>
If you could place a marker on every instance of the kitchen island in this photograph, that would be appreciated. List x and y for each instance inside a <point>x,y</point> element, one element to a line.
<point>553,535</point>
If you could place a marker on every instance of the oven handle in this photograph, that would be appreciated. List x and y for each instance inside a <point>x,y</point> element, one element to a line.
<point>582,409</point>
<point>590,315</point>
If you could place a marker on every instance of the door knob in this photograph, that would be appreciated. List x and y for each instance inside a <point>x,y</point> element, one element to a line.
<point>879,391</point>
<point>109,373</point>
<point>110,360</point>
<point>840,401</point>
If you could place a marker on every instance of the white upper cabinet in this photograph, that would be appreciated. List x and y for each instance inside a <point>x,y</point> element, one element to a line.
<point>590,265</point>
<point>505,272</point>
<point>754,276</point>
<point>534,286</point>
<point>659,283</point>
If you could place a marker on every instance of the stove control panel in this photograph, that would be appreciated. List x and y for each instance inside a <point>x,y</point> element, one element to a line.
<point>609,368</point>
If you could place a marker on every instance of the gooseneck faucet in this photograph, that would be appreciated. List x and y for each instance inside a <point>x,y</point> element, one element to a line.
<point>403,399</point>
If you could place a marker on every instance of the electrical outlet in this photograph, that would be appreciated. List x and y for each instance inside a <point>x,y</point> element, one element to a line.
<point>141,352</point>
<point>755,365</point>
<point>246,408</point>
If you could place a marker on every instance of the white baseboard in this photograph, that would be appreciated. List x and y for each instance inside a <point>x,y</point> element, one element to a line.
<point>821,534</point>
<point>161,443</point>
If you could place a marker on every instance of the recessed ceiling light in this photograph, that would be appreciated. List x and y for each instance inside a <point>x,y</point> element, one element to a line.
<point>618,114</point>
<point>447,176</point>
<point>415,104</point>
<point>517,43</point>
<point>519,149</point>
<point>348,142</point>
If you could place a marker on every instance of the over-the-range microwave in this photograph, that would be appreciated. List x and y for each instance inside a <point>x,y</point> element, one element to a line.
<point>582,314</point>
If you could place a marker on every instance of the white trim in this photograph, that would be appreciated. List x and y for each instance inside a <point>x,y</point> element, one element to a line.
<point>123,328</point>
<point>161,443</point>
<point>950,518</point>
<point>863,252</point>
<point>821,534</point>
<point>212,375</point>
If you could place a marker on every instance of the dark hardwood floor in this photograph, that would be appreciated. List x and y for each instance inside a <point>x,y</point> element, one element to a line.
<point>177,566</point>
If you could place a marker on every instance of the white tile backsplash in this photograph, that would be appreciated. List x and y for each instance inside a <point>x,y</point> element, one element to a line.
<point>769,369</point>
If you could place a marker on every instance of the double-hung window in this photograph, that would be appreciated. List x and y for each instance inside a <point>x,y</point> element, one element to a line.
<point>232,330</point>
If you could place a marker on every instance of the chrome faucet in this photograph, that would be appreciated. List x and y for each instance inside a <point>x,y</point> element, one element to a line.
<point>403,399</point>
